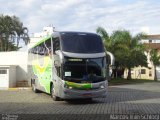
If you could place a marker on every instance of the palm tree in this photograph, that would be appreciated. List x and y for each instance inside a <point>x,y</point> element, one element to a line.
<point>126,48</point>
<point>130,52</point>
<point>108,44</point>
<point>155,58</point>
<point>20,31</point>
<point>11,32</point>
<point>105,37</point>
<point>5,31</point>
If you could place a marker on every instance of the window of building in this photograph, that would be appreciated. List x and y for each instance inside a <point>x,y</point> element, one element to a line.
<point>143,71</point>
<point>150,41</point>
<point>150,73</point>
<point>3,71</point>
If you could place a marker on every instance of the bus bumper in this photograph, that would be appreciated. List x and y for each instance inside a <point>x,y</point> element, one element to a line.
<point>74,93</point>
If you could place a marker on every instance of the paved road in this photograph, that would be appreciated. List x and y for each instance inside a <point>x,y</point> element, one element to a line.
<point>123,99</point>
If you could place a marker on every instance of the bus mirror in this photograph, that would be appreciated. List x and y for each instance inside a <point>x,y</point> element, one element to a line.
<point>112,58</point>
<point>57,52</point>
<point>57,63</point>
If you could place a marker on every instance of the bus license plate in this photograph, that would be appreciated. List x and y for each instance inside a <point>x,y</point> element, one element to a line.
<point>87,95</point>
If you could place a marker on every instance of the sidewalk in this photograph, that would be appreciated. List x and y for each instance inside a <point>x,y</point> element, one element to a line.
<point>17,88</point>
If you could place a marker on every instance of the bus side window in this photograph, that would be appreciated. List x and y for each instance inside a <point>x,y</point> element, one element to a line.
<point>35,50</point>
<point>41,49</point>
<point>56,44</point>
<point>47,47</point>
<point>58,71</point>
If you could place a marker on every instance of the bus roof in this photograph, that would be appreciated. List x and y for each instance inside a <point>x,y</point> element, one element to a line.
<point>58,33</point>
<point>42,40</point>
<point>76,32</point>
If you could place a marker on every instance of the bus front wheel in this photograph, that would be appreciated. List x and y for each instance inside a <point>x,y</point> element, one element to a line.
<point>55,98</point>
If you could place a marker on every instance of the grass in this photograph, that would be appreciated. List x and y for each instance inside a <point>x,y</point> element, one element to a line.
<point>121,81</point>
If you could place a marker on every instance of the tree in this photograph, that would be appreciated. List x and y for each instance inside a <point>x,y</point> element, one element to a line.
<point>112,47</point>
<point>126,48</point>
<point>11,32</point>
<point>5,31</point>
<point>107,42</point>
<point>155,58</point>
<point>20,31</point>
<point>11,46</point>
<point>130,52</point>
<point>106,38</point>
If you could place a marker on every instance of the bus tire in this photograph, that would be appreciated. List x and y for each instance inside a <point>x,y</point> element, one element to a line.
<point>34,89</point>
<point>89,99</point>
<point>55,98</point>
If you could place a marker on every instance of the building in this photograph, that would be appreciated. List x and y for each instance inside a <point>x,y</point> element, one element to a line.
<point>13,65</point>
<point>13,68</point>
<point>151,39</point>
<point>38,36</point>
<point>152,42</point>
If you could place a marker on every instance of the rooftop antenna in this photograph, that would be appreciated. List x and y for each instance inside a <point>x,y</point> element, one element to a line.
<point>53,27</point>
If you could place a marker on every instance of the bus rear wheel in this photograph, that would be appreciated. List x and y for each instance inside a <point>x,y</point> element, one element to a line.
<point>34,89</point>
<point>55,98</point>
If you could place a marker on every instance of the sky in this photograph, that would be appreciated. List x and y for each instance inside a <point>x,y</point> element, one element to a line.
<point>86,15</point>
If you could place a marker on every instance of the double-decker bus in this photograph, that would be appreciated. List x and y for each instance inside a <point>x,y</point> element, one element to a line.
<point>69,65</point>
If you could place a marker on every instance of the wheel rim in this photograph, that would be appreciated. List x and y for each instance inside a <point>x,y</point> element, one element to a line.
<point>34,88</point>
<point>54,97</point>
<point>52,91</point>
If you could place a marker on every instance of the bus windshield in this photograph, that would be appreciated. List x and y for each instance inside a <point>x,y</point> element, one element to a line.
<point>91,69</point>
<point>81,43</point>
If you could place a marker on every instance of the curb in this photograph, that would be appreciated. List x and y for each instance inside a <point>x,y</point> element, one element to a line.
<point>19,88</point>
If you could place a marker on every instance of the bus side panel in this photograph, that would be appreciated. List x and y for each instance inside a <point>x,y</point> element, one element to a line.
<point>40,65</point>
<point>43,73</point>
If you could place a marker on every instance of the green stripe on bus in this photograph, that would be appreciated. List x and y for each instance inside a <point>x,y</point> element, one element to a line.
<point>79,86</point>
<point>42,41</point>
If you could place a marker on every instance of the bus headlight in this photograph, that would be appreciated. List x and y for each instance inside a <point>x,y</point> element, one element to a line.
<point>102,86</point>
<point>66,86</point>
<point>70,87</point>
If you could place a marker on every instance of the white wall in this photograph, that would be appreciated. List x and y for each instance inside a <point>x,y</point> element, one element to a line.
<point>12,76</point>
<point>16,58</point>
<point>158,72</point>
<point>39,36</point>
<point>4,79</point>
<point>147,41</point>
<point>33,41</point>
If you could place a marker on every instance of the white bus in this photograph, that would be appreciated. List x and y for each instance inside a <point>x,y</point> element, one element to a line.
<point>69,65</point>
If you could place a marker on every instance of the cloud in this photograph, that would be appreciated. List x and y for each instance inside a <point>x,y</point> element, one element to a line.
<point>145,29</point>
<point>85,15</point>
